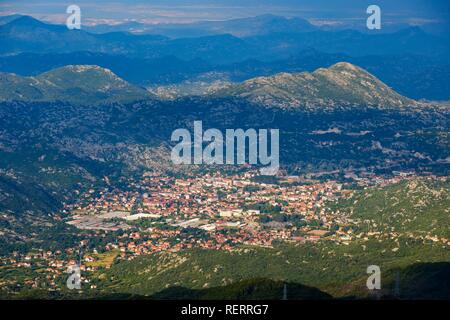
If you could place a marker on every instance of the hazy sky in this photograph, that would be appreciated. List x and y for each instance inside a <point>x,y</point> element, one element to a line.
<point>154,11</point>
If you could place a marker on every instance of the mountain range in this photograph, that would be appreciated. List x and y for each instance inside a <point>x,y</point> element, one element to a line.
<point>415,76</point>
<point>82,122</point>
<point>242,27</point>
<point>411,61</point>
<point>341,85</point>
<point>87,109</point>
<point>26,34</point>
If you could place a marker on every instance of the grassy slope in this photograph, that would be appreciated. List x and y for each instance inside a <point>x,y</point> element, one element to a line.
<point>335,269</point>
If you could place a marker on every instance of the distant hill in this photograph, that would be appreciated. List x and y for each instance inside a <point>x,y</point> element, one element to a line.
<point>354,43</point>
<point>242,27</point>
<point>8,19</point>
<point>414,76</point>
<point>266,38</point>
<point>26,34</point>
<point>74,83</point>
<point>165,70</point>
<point>343,84</point>
<point>419,208</point>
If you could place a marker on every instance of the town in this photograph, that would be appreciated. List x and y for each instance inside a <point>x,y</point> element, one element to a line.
<point>159,213</point>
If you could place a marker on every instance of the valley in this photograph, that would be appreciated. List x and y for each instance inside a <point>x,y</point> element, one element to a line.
<point>87,179</point>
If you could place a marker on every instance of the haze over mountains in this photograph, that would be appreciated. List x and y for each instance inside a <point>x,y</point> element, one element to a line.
<point>399,59</point>
<point>243,27</point>
<point>27,34</point>
<point>253,75</point>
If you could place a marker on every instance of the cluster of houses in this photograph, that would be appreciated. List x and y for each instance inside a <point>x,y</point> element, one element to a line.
<point>158,213</point>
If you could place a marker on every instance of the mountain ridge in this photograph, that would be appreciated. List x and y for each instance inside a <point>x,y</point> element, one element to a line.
<point>27,34</point>
<point>73,83</point>
<point>414,76</point>
<point>342,84</point>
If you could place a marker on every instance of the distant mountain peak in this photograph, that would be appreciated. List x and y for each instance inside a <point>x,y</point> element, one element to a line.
<point>344,70</point>
<point>81,84</point>
<point>345,66</point>
<point>77,74</point>
<point>8,19</point>
<point>80,68</point>
<point>341,85</point>
<point>27,21</point>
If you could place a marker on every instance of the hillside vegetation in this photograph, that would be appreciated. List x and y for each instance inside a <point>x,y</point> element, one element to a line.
<point>331,266</point>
